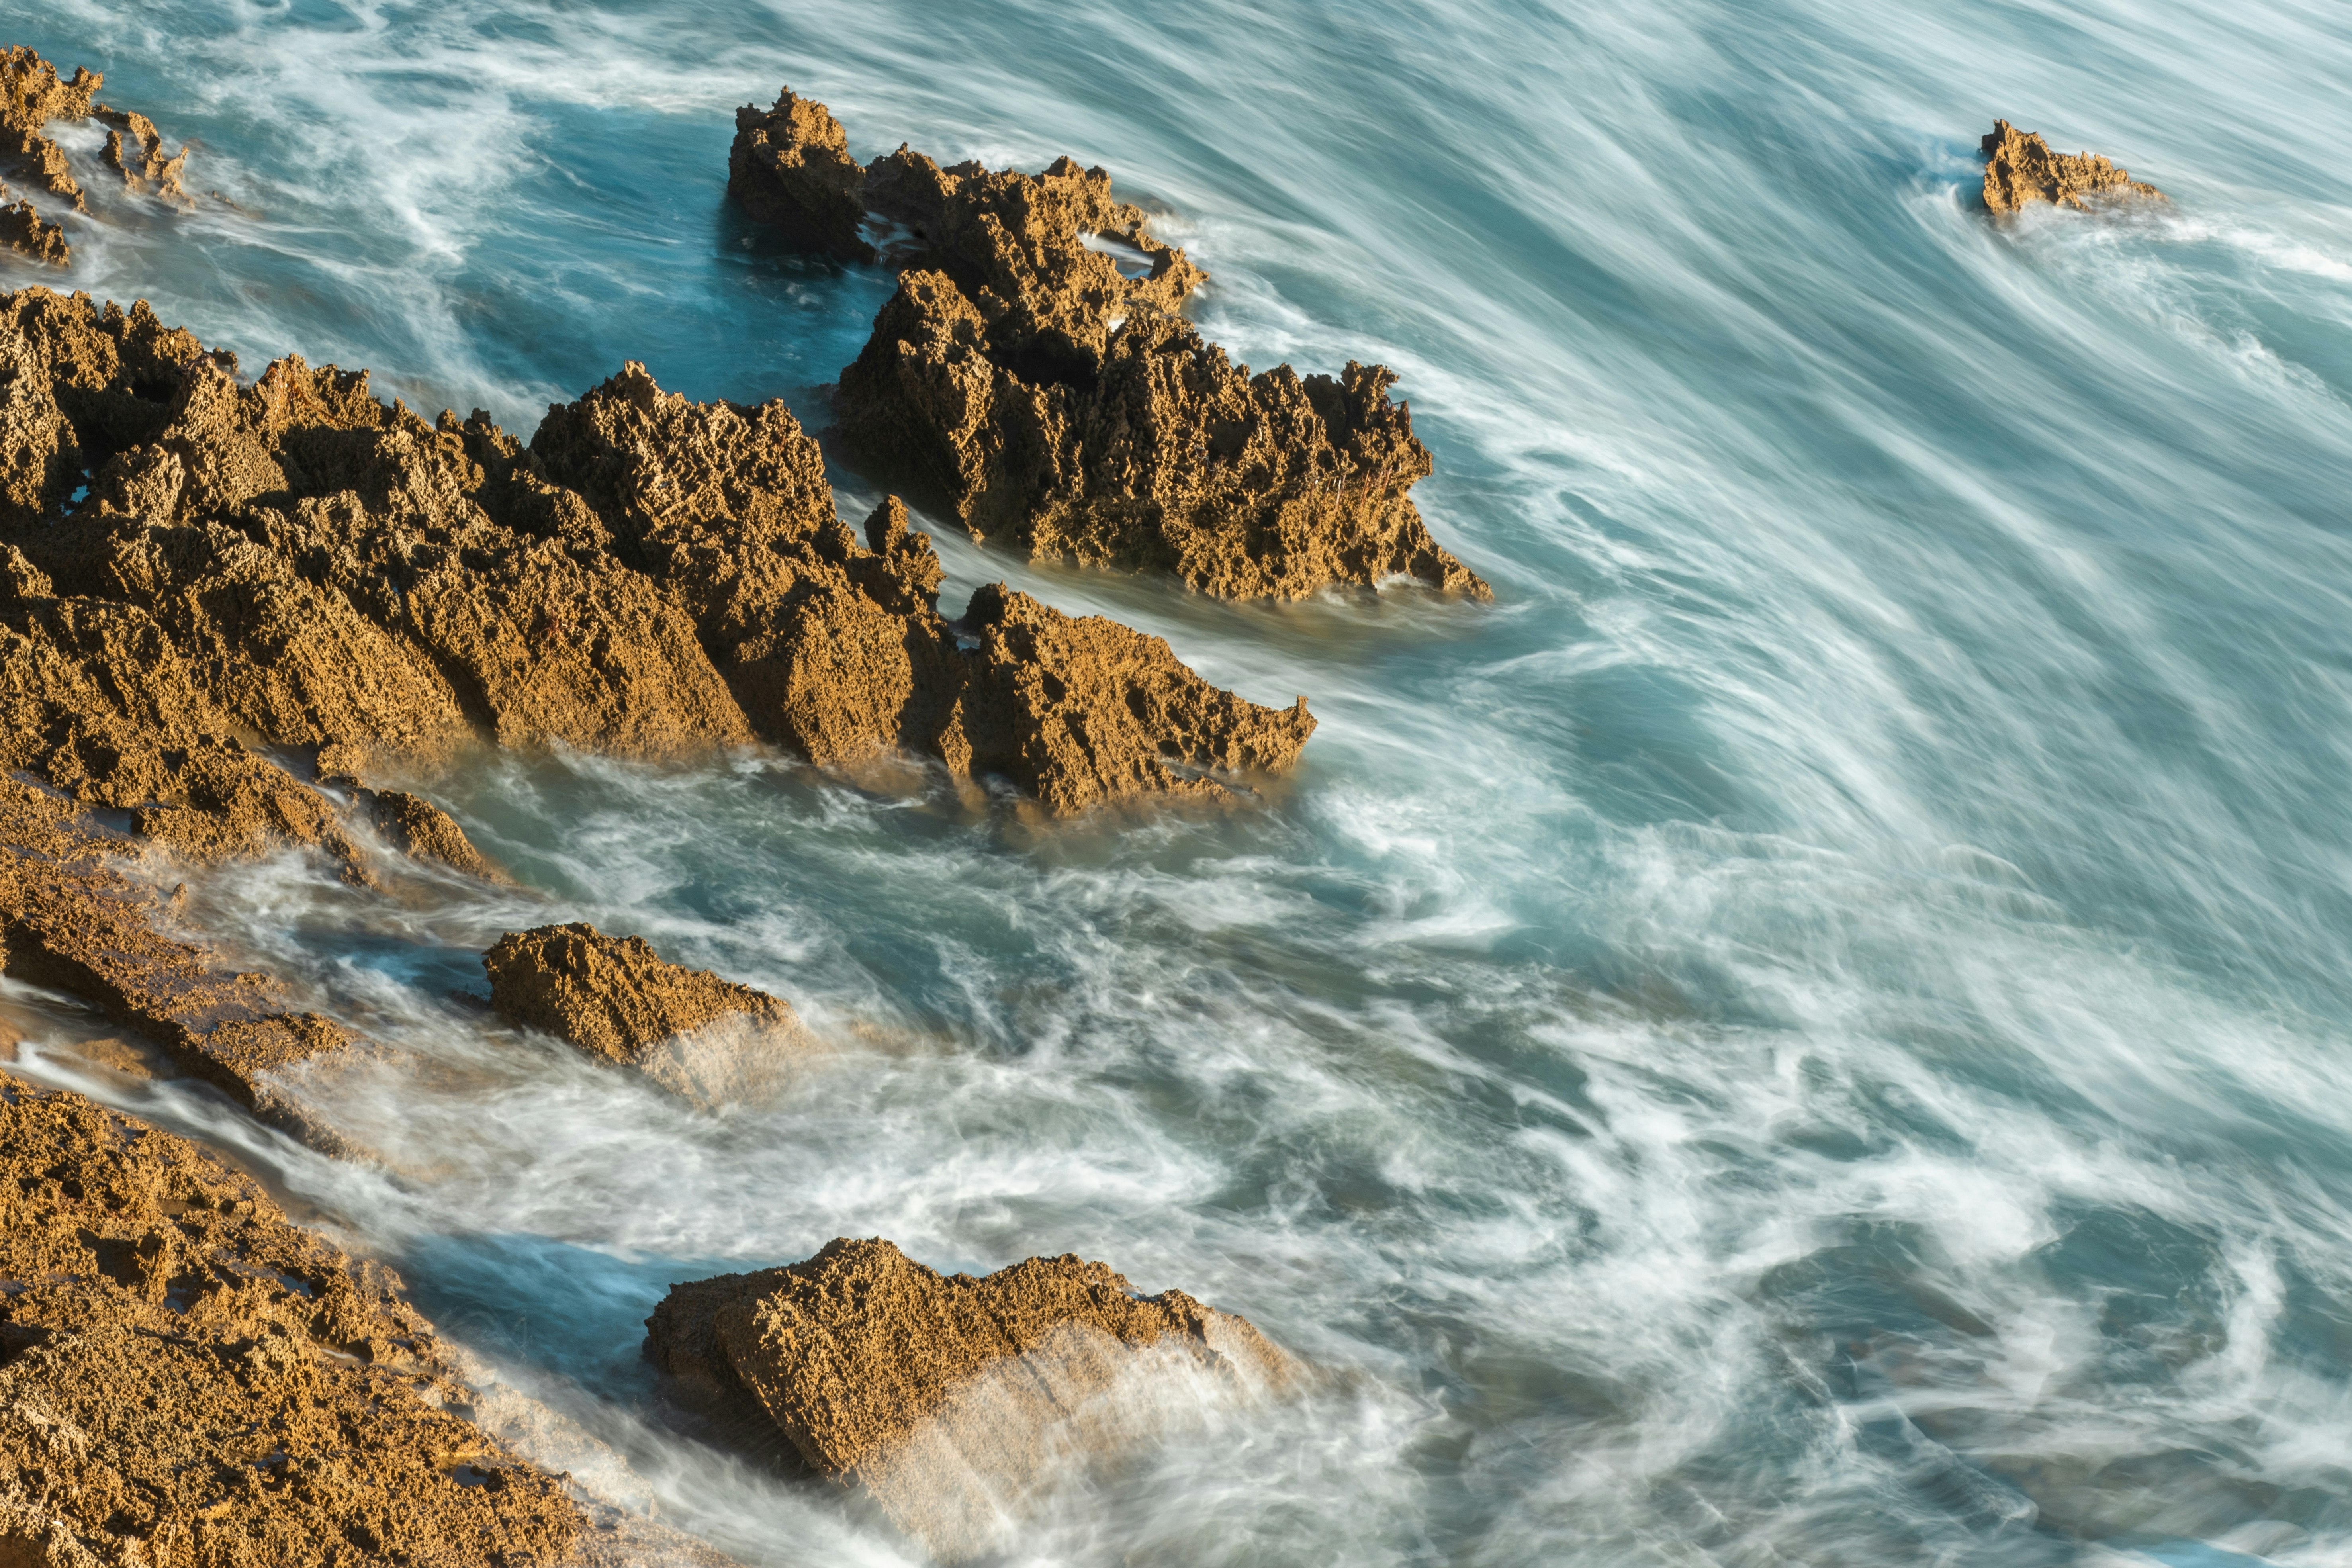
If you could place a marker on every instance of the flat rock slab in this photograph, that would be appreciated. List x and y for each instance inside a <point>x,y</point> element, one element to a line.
<point>952,1398</point>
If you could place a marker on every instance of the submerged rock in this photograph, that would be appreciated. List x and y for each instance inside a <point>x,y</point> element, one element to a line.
<point>186,1377</point>
<point>1031,378</point>
<point>950,1399</point>
<point>2020,169</point>
<point>709,1039</point>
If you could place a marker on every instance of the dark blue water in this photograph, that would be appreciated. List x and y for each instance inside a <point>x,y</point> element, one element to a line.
<point>1815,1029</point>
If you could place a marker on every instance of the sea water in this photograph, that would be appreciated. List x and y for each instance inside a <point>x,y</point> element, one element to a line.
<point>1814,1028</point>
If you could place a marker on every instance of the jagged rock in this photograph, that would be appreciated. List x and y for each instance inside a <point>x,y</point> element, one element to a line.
<point>31,95</point>
<point>23,231</point>
<point>650,577</point>
<point>186,1377</point>
<point>1025,381</point>
<point>947,1397</point>
<point>790,167</point>
<point>709,1039</point>
<point>2020,169</point>
<point>134,148</point>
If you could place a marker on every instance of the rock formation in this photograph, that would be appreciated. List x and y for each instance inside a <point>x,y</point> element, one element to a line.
<point>186,1378</point>
<point>707,1038</point>
<point>31,96</point>
<point>945,1396</point>
<point>790,167</point>
<point>294,562</point>
<point>1026,382</point>
<point>2020,169</point>
<point>23,231</point>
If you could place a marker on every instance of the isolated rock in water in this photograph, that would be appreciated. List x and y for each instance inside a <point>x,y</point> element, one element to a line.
<point>134,148</point>
<point>2020,169</point>
<point>709,1039</point>
<point>179,1365</point>
<point>790,167</point>
<point>954,1399</point>
<point>23,231</point>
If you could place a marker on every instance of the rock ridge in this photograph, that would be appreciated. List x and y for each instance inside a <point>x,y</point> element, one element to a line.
<point>32,94</point>
<point>1031,378</point>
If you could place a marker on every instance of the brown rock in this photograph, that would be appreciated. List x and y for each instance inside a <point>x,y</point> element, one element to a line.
<point>1080,710</point>
<point>945,1396</point>
<point>134,148</point>
<point>185,1377</point>
<point>71,920</point>
<point>299,565</point>
<point>2020,169</point>
<point>709,1039</point>
<point>31,95</point>
<point>23,231</point>
<point>790,167</point>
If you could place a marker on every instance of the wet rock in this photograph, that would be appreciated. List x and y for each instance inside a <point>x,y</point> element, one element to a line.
<point>134,148</point>
<point>790,168</point>
<point>709,1039</point>
<point>950,1398</point>
<point>186,1376</point>
<point>301,565</point>
<point>2020,169</point>
<point>23,231</point>
<point>31,95</point>
<point>71,920</point>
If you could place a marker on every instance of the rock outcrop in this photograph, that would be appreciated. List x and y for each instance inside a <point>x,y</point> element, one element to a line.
<point>186,1378</point>
<point>2020,169</point>
<point>948,1398</point>
<point>25,231</point>
<point>1031,378</point>
<point>709,1039</point>
<point>790,167</point>
<point>32,94</point>
<point>295,564</point>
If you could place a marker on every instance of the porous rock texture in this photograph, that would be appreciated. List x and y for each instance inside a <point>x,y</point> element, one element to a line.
<point>188,1381</point>
<point>32,94</point>
<point>2020,169</point>
<point>947,1397</point>
<point>1028,383</point>
<point>291,564</point>
<point>790,167</point>
<point>709,1039</point>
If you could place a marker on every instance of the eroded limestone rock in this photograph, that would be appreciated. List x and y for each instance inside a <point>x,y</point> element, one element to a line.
<point>709,1039</point>
<point>790,167</point>
<point>25,231</point>
<point>2020,169</point>
<point>950,1398</point>
<point>185,1377</point>
<point>32,94</point>
<point>1031,378</point>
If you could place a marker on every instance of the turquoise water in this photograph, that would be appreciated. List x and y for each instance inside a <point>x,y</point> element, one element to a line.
<point>1814,1029</point>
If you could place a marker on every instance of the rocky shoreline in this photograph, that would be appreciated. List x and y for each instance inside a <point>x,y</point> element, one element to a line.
<point>226,603</point>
